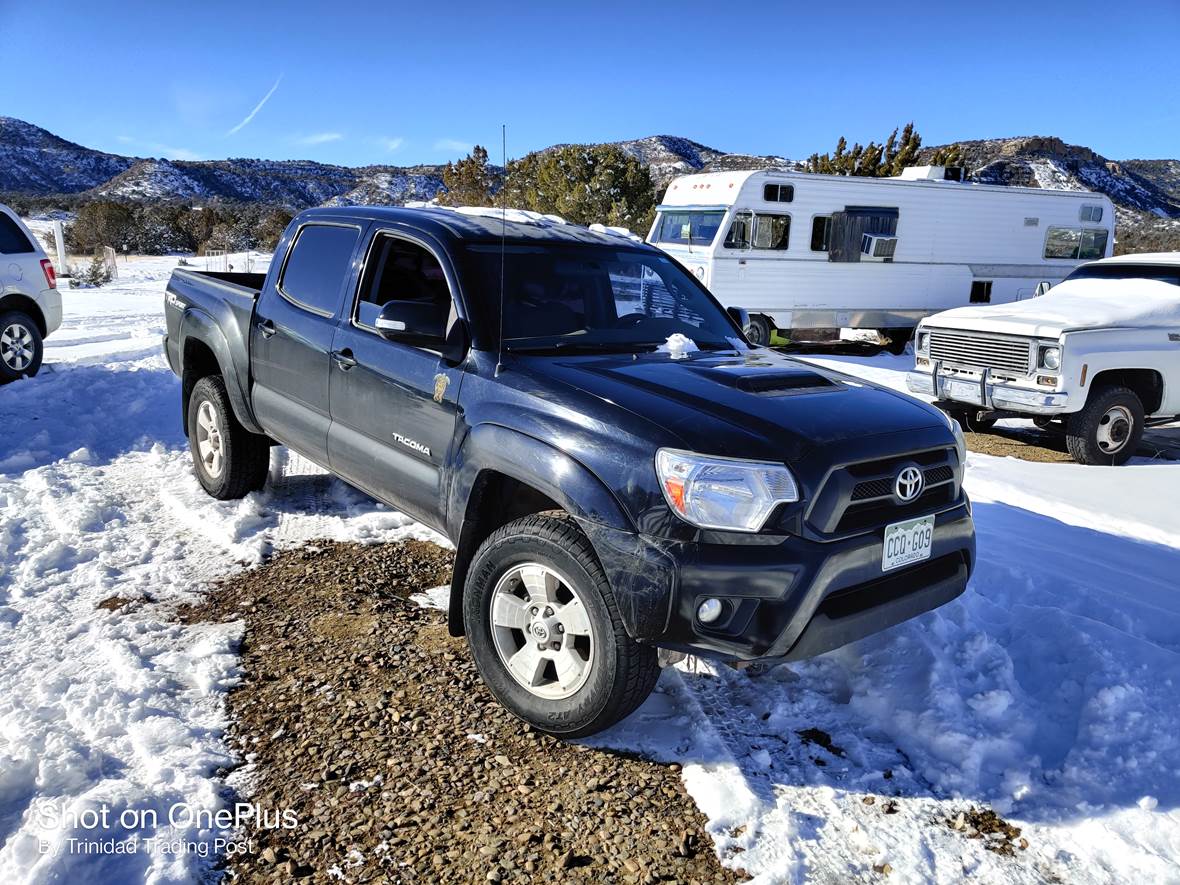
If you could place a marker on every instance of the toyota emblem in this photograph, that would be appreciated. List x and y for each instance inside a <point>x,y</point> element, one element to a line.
<point>908,484</point>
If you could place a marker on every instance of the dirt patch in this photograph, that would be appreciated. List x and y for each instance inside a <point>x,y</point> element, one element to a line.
<point>114,603</point>
<point>360,713</point>
<point>983,823</point>
<point>1031,443</point>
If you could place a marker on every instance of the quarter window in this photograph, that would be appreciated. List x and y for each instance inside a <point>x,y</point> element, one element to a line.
<point>1075,243</point>
<point>317,264</point>
<point>821,232</point>
<point>12,239</point>
<point>778,193</point>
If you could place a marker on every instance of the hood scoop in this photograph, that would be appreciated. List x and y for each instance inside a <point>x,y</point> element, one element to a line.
<point>768,382</point>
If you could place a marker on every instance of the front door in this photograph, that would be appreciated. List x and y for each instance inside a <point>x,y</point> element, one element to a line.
<point>294,324</point>
<point>394,406</point>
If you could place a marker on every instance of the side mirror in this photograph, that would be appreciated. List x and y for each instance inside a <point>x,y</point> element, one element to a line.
<point>1042,287</point>
<point>423,324</point>
<point>420,323</point>
<point>739,316</point>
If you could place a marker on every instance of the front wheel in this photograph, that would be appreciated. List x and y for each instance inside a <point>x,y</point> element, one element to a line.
<point>21,348</point>
<point>544,629</point>
<point>1107,431</point>
<point>230,461</point>
<point>758,330</point>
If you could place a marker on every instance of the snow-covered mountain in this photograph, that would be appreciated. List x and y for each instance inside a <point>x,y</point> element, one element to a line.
<point>33,160</point>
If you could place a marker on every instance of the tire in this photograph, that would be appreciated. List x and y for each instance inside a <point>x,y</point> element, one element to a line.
<point>1107,431</point>
<point>229,460</point>
<point>898,339</point>
<point>606,675</point>
<point>758,330</point>
<point>21,347</point>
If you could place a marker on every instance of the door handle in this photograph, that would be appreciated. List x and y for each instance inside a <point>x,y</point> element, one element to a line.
<point>266,327</point>
<point>344,359</point>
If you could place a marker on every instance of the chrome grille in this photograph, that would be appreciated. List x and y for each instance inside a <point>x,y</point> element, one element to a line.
<point>981,351</point>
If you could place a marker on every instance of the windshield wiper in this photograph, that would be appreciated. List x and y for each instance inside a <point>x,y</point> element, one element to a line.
<point>584,347</point>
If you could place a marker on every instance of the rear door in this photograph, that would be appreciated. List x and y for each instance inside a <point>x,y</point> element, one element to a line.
<point>291,339</point>
<point>394,406</point>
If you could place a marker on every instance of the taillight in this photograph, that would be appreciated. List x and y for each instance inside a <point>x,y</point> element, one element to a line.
<point>50,274</point>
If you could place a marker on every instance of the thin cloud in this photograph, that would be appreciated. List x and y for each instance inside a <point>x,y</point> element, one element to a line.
<point>250,116</point>
<point>453,144</point>
<point>156,149</point>
<point>390,144</point>
<point>320,138</point>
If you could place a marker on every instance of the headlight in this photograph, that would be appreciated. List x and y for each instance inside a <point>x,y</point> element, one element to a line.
<point>923,342</point>
<point>723,493</point>
<point>1050,357</point>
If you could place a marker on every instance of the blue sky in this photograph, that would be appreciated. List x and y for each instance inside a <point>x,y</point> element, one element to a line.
<point>406,83</point>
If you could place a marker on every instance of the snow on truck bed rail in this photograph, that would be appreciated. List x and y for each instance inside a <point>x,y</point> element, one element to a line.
<point>1047,692</point>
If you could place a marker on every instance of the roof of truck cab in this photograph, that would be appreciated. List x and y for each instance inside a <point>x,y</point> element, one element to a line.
<point>460,227</point>
<point>1157,258</point>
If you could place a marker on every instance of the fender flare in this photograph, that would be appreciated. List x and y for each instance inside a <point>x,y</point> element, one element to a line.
<point>493,448</point>
<point>197,325</point>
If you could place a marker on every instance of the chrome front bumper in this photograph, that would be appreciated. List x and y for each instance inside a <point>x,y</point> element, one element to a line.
<point>987,394</point>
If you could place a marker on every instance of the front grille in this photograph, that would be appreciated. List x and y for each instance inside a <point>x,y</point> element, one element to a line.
<point>860,496</point>
<point>981,351</point>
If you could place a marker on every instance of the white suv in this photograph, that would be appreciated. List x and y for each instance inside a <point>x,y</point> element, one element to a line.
<point>30,305</point>
<point>1099,356</point>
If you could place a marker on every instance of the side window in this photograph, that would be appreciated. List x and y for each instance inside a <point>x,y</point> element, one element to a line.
<point>317,266</point>
<point>849,227</point>
<point>981,291</point>
<point>778,193</point>
<point>772,231</point>
<point>1069,242</point>
<point>12,239</point>
<point>739,231</point>
<point>399,270</point>
<point>821,232</point>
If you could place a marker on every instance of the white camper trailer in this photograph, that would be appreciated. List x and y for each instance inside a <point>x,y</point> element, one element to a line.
<point>802,251</point>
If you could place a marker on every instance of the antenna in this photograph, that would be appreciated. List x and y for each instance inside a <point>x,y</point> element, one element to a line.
<point>503,236</point>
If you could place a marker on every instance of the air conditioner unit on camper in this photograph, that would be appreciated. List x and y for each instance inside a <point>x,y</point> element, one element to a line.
<point>874,247</point>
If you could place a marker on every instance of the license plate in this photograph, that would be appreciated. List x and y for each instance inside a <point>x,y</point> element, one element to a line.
<point>964,391</point>
<point>907,543</point>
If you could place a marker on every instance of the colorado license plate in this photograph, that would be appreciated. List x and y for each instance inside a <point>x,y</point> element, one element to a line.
<point>907,543</point>
<point>964,391</point>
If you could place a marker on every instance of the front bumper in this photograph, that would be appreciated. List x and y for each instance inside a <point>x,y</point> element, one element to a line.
<point>987,394</point>
<point>784,599</point>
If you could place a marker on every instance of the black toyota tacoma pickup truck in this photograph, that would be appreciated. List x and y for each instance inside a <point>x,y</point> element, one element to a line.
<point>623,476</point>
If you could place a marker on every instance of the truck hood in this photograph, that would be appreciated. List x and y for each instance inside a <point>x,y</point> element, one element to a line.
<point>1072,306</point>
<point>757,404</point>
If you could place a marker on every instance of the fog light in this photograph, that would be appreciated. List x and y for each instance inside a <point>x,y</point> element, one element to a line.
<point>710,610</point>
<point>921,362</point>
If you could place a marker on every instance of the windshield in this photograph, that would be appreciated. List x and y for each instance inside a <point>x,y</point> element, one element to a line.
<point>592,297</point>
<point>1159,272</point>
<point>688,227</point>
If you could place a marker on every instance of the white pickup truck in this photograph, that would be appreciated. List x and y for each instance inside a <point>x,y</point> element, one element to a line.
<point>1099,353</point>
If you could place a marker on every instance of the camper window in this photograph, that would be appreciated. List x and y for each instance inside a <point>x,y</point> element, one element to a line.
<point>772,231</point>
<point>821,230</point>
<point>739,232</point>
<point>692,228</point>
<point>778,193</point>
<point>981,291</point>
<point>1073,243</point>
<point>1091,214</point>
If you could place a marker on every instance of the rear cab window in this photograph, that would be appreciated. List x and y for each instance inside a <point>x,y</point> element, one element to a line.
<point>12,239</point>
<point>318,265</point>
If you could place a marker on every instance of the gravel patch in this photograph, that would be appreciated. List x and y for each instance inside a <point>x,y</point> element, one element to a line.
<point>358,712</point>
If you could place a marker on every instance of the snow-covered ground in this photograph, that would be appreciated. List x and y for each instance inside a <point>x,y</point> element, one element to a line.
<point>123,710</point>
<point>1047,692</point>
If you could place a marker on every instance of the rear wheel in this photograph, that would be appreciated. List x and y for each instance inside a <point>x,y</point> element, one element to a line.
<point>21,348</point>
<point>544,629</point>
<point>758,330</point>
<point>1108,430</point>
<point>230,461</point>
